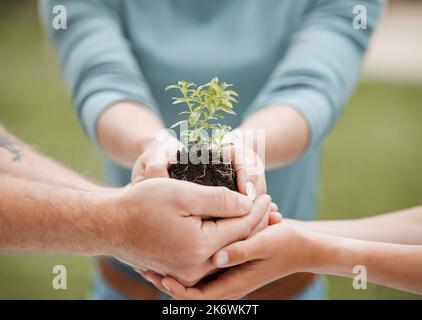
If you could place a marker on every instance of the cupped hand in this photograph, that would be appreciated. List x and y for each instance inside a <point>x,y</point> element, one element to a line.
<point>154,161</point>
<point>249,167</point>
<point>158,225</point>
<point>162,150</point>
<point>273,253</point>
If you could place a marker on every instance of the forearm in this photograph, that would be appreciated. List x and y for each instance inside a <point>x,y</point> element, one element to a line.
<point>20,160</point>
<point>39,217</point>
<point>286,133</point>
<point>125,129</point>
<point>393,265</point>
<point>404,226</point>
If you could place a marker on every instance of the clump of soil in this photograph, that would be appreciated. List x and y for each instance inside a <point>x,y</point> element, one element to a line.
<point>210,173</point>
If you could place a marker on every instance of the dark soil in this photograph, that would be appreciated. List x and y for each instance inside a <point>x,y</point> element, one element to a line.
<point>214,173</point>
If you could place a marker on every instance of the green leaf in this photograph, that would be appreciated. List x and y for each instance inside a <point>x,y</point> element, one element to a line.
<point>228,110</point>
<point>177,124</point>
<point>228,104</point>
<point>205,103</point>
<point>173,86</point>
<point>232,93</point>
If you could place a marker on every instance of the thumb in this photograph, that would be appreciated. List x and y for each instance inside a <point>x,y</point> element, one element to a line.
<point>219,202</point>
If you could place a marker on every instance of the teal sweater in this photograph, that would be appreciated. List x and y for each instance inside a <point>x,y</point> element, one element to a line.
<point>304,53</point>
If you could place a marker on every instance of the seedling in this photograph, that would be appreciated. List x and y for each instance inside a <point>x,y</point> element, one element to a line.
<point>206,105</point>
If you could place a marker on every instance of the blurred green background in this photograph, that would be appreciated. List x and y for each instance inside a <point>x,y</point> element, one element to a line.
<point>372,161</point>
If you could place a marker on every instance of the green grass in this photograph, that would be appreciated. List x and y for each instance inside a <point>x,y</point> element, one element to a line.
<point>373,164</point>
<point>372,161</point>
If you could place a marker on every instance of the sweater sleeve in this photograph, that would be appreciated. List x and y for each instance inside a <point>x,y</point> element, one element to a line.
<point>322,64</point>
<point>96,59</point>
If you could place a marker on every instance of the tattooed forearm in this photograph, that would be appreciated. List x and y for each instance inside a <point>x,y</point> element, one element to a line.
<point>7,142</point>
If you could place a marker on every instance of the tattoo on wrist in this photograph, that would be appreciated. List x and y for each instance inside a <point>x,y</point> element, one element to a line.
<point>6,142</point>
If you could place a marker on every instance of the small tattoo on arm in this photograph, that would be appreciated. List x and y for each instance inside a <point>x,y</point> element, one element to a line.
<point>7,143</point>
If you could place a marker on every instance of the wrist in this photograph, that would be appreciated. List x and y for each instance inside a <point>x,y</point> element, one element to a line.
<point>103,229</point>
<point>119,214</point>
<point>143,142</point>
<point>158,138</point>
<point>301,249</point>
<point>124,129</point>
<point>328,254</point>
<point>306,249</point>
<point>78,223</point>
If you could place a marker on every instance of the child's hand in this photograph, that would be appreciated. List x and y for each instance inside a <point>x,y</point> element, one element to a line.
<point>257,261</point>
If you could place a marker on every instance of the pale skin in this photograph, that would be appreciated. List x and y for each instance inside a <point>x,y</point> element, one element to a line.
<point>128,133</point>
<point>292,128</point>
<point>287,248</point>
<point>47,171</point>
<point>135,137</point>
<point>138,128</point>
<point>64,212</point>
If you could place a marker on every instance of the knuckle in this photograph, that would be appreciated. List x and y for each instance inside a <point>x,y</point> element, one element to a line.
<point>242,253</point>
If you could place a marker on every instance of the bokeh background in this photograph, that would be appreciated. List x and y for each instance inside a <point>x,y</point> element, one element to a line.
<point>372,161</point>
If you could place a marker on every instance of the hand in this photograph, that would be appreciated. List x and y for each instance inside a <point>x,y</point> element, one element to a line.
<point>153,162</point>
<point>159,227</point>
<point>273,253</point>
<point>249,166</point>
<point>162,150</point>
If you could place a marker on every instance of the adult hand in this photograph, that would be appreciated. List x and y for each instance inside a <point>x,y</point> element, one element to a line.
<point>249,167</point>
<point>273,253</point>
<point>159,227</point>
<point>153,162</point>
<point>162,150</point>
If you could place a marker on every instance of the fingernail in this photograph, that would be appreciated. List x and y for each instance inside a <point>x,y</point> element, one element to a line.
<point>221,259</point>
<point>250,190</point>
<point>165,285</point>
<point>245,203</point>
